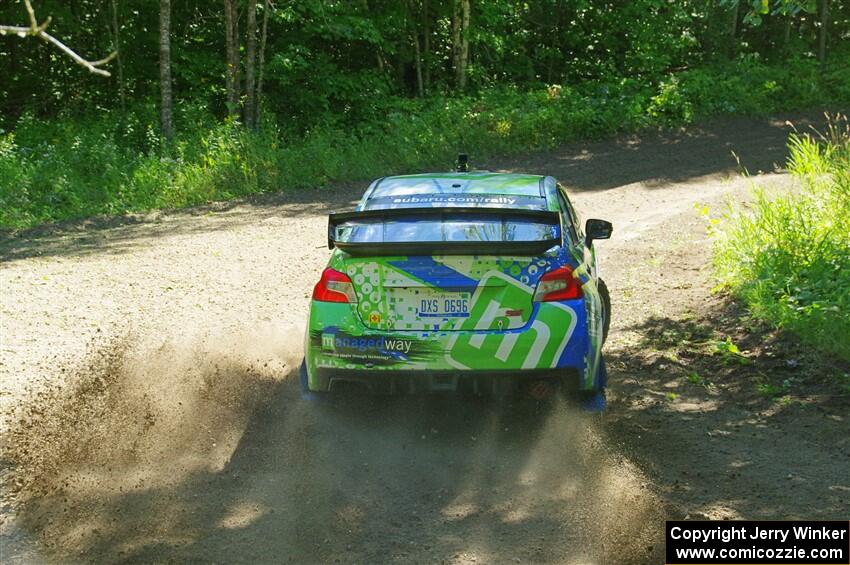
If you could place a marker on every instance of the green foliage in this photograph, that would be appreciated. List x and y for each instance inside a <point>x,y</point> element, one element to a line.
<point>331,63</point>
<point>729,352</point>
<point>755,11</point>
<point>747,86</point>
<point>774,390</point>
<point>698,380</point>
<point>112,162</point>
<point>789,258</point>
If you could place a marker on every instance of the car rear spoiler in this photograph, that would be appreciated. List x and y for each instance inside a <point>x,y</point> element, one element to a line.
<point>522,248</point>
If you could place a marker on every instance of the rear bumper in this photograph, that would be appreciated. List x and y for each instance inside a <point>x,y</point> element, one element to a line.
<point>341,353</point>
<point>420,382</point>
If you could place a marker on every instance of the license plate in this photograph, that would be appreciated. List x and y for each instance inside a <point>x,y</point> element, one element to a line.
<point>439,305</point>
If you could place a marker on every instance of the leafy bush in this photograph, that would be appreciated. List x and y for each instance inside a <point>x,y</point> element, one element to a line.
<point>114,162</point>
<point>789,258</point>
<point>747,86</point>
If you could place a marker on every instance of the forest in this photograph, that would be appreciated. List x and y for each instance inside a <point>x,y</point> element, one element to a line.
<point>192,101</point>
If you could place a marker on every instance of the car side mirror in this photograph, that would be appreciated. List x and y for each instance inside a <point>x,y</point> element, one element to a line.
<point>597,229</point>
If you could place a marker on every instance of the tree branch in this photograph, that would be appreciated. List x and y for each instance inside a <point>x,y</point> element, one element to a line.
<point>33,21</point>
<point>36,30</point>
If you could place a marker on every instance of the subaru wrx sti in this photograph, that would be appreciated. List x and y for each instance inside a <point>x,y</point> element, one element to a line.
<point>465,281</point>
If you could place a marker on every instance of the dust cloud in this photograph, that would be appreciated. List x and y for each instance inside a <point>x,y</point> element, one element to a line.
<point>199,447</point>
<point>137,414</point>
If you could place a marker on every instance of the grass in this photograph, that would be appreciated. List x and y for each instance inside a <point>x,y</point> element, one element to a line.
<point>788,257</point>
<point>111,163</point>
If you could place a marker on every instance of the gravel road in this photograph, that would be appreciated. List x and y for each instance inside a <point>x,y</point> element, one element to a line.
<point>150,412</point>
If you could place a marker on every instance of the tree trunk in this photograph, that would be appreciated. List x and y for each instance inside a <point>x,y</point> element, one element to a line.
<point>786,32</point>
<point>420,88</point>
<point>116,33</point>
<point>165,68</point>
<point>400,62</point>
<point>463,58</point>
<point>554,53</point>
<point>426,46</point>
<point>456,17</point>
<point>733,33</point>
<point>417,51</point>
<point>250,61</point>
<point>232,57</point>
<point>379,59</point>
<point>824,22</point>
<point>262,62</point>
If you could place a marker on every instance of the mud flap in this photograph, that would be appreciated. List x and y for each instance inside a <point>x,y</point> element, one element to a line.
<point>594,401</point>
<point>306,393</point>
<point>602,374</point>
<point>606,302</point>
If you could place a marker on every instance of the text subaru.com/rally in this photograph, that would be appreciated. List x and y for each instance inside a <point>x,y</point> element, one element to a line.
<point>473,281</point>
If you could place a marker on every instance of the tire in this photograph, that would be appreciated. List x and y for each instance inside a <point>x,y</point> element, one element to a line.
<point>606,308</point>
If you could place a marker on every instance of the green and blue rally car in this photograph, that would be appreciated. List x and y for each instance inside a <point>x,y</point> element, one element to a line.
<point>466,281</point>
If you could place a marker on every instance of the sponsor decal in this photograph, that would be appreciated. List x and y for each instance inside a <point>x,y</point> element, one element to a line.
<point>402,345</point>
<point>485,200</point>
<point>453,312</point>
<point>540,346</point>
<point>460,199</point>
<point>337,346</point>
<point>354,344</point>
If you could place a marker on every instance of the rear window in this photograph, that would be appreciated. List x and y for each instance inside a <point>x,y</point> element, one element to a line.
<point>447,228</point>
<point>465,183</point>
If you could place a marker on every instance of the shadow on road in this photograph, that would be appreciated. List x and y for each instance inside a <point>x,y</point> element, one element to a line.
<point>759,434</point>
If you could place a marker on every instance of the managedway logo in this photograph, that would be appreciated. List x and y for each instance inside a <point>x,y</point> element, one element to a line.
<point>332,342</point>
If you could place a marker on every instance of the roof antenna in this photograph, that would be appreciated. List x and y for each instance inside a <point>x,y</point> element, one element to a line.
<point>463,163</point>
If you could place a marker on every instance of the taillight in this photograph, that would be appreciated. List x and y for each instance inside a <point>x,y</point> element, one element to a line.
<point>560,284</point>
<point>334,287</point>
